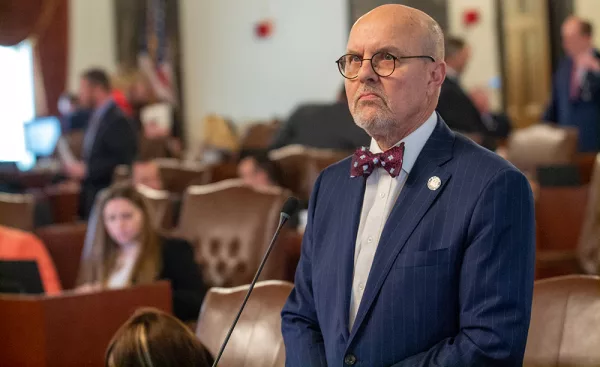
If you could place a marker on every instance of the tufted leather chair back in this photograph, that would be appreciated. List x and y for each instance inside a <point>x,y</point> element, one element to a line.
<point>229,225</point>
<point>177,176</point>
<point>301,166</point>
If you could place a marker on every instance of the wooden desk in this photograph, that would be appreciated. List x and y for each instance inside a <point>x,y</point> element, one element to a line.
<point>559,218</point>
<point>69,329</point>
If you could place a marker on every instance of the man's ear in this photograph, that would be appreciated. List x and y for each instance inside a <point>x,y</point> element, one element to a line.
<point>438,73</point>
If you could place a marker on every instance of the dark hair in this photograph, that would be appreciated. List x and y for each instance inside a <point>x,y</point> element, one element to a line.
<point>98,78</point>
<point>154,338</point>
<point>264,163</point>
<point>452,45</point>
<point>587,29</point>
<point>70,96</point>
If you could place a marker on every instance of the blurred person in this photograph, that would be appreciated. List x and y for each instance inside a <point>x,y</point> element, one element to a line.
<point>17,245</point>
<point>220,140</point>
<point>420,249</point>
<point>72,116</point>
<point>575,97</point>
<point>327,126</point>
<point>129,251</point>
<point>153,338</point>
<point>454,105</point>
<point>257,170</point>
<point>140,95</point>
<point>109,139</point>
<point>147,173</point>
<point>498,124</point>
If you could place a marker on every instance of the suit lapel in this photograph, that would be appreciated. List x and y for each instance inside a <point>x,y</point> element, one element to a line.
<point>353,201</point>
<point>410,207</point>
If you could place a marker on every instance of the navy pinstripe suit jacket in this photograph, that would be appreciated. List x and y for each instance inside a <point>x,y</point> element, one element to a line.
<point>452,279</point>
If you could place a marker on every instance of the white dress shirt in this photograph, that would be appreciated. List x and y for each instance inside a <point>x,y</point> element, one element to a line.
<point>121,276</point>
<point>381,193</point>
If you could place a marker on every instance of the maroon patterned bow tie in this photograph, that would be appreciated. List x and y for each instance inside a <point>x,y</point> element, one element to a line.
<point>364,162</point>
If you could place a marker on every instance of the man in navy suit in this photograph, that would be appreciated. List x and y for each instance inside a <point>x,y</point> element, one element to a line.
<point>109,140</point>
<point>576,86</point>
<point>418,251</point>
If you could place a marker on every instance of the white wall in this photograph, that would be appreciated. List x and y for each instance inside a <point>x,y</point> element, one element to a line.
<point>91,38</point>
<point>228,71</point>
<point>485,51</point>
<point>590,10</point>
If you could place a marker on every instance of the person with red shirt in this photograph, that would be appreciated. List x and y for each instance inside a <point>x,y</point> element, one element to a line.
<point>16,245</point>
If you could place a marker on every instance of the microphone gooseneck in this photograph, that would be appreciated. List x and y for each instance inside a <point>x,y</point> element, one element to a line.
<point>289,208</point>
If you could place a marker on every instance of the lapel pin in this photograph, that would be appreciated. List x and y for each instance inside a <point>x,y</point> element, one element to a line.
<point>434,183</point>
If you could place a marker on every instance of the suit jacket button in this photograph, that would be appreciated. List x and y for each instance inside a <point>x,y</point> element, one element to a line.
<point>349,360</point>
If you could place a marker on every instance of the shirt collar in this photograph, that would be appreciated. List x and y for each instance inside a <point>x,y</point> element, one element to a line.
<point>413,143</point>
<point>103,108</point>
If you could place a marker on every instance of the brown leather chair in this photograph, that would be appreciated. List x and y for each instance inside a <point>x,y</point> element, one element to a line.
<point>256,340</point>
<point>230,225</point>
<point>177,176</point>
<point>589,241</point>
<point>542,145</point>
<point>64,202</point>
<point>565,323</point>
<point>153,148</point>
<point>301,166</point>
<point>64,243</point>
<point>121,173</point>
<point>223,171</point>
<point>17,211</point>
<point>160,205</point>
<point>560,212</point>
<point>259,135</point>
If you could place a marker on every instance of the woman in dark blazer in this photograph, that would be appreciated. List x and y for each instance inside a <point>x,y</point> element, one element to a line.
<point>131,253</point>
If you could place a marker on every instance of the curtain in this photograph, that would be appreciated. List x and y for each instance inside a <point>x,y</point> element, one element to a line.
<point>45,23</point>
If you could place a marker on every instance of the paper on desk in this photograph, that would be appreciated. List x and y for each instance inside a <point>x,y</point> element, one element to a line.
<point>159,114</point>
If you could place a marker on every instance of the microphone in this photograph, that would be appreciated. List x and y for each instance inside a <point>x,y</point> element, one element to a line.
<point>289,208</point>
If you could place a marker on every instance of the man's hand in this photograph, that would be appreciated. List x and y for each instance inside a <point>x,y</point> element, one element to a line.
<point>589,62</point>
<point>76,170</point>
<point>480,99</point>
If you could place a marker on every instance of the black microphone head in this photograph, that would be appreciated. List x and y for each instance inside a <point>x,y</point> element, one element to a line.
<point>290,207</point>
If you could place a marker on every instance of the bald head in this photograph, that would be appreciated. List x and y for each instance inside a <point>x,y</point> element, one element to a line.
<point>419,26</point>
<point>576,36</point>
<point>398,83</point>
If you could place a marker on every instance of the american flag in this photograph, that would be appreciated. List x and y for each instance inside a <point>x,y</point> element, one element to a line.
<point>154,58</point>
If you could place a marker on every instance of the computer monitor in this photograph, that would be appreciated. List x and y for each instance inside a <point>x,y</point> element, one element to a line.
<point>20,277</point>
<point>41,136</point>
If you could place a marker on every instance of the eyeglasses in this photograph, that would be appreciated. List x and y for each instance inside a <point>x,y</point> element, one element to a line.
<point>383,64</point>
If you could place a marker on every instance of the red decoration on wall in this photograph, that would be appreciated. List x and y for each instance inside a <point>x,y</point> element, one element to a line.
<point>264,29</point>
<point>471,17</point>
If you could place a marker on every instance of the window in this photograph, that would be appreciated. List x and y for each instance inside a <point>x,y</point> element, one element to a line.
<point>17,102</point>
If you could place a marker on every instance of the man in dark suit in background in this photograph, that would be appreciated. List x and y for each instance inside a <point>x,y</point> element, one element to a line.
<point>328,126</point>
<point>419,251</point>
<point>455,105</point>
<point>110,139</point>
<point>576,85</point>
